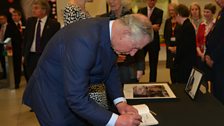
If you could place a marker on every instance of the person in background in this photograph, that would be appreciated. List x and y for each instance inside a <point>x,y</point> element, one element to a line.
<point>17,19</point>
<point>3,25</point>
<point>17,46</point>
<point>195,15</point>
<point>215,52</point>
<point>203,30</point>
<point>171,31</point>
<point>155,15</point>
<point>117,9</point>
<point>185,57</point>
<point>39,30</point>
<point>75,11</point>
<point>20,24</point>
<point>76,57</point>
<point>130,67</point>
<point>9,30</point>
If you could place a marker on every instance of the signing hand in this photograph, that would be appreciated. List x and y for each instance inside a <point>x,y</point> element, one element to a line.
<point>124,108</point>
<point>129,119</point>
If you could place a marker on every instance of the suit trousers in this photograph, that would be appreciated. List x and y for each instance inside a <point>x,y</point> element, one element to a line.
<point>31,63</point>
<point>2,60</point>
<point>153,63</point>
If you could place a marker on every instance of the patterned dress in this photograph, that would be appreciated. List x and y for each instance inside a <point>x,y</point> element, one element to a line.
<point>73,13</point>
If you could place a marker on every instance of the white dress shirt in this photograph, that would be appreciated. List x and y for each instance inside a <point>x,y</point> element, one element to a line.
<point>43,22</point>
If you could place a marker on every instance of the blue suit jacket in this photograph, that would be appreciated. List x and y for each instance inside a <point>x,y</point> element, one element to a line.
<point>76,56</point>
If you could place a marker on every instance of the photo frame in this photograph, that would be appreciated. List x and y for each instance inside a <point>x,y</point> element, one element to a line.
<point>193,83</point>
<point>148,91</point>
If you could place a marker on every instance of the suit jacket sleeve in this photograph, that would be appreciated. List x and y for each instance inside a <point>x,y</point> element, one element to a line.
<point>157,16</point>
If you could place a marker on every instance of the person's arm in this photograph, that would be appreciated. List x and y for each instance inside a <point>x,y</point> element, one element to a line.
<point>158,20</point>
<point>140,63</point>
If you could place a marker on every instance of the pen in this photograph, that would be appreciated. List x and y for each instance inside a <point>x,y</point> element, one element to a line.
<point>153,113</point>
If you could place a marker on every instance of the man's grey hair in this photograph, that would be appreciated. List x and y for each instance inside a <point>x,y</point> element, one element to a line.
<point>44,5</point>
<point>139,27</point>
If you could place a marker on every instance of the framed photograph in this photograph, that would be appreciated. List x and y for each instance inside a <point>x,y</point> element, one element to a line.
<point>148,91</point>
<point>193,82</point>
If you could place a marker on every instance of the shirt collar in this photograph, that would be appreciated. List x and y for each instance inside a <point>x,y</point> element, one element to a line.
<point>150,9</point>
<point>43,20</point>
<point>110,27</point>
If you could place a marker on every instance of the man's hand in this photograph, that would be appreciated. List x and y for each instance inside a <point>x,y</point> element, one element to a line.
<point>172,49</point>
<point>139,74</point>
<point>156,27</point>
<point>209,61</point>
<point>124,108</point>
<point>129,119</point>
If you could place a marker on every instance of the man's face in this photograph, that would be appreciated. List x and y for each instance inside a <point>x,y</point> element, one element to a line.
<point>115,5</point>
<point>3,20</point>
<point>38,11</point>
<point>16,17</point>
<point>151,3</point>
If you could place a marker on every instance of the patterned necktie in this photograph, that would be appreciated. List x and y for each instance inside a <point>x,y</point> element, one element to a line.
<point>38,30</point>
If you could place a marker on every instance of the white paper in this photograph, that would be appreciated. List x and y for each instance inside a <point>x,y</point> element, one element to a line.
<point>147,117</point>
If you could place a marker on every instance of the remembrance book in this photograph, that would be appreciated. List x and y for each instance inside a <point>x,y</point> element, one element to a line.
<point>147,116</point>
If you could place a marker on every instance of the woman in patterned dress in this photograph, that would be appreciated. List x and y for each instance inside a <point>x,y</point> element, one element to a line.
<point>75,11</point>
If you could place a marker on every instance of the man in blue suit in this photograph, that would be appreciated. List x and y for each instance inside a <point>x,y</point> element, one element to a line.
<point>79,55</point>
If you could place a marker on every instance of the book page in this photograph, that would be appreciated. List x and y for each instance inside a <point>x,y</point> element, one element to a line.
<point>147,117</point>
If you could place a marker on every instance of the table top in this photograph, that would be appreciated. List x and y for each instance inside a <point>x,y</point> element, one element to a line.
<point>205,110</point>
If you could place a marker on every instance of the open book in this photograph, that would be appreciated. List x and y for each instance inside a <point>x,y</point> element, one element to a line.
<point>147,117</point>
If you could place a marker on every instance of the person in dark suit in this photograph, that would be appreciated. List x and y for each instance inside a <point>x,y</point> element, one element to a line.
<point>155,15</point>
<point>13,32</point>
<point>3,26</point>
<point>17,57</point>
<point>6,7</point>
<point>186,46</point>
<point>81,54</point>
<point>130,67</point>
<point>33,48</point>
<point>171,31</point>
<point>214,54</point>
